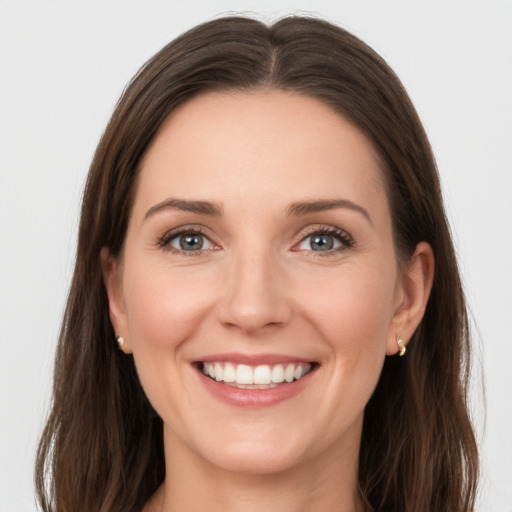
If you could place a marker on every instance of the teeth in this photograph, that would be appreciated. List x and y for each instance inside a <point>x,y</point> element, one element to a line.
<point>244,375</point>
<point>229,373</point>
<point>262,375</point>
<point>218,371</point>
<point>278,373</point>
<point>258,377</point>
<point>289,373</point>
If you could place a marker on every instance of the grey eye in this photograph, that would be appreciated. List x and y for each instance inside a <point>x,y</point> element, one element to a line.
<point>321,242</point>
<point>189,242</point>
<point>325,241</point>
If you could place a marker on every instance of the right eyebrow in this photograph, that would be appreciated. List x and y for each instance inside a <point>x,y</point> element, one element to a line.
<point>199,207</point>
<point>309,207</point>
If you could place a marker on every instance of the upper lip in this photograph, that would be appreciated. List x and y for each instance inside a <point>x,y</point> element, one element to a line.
<point>252,359</point>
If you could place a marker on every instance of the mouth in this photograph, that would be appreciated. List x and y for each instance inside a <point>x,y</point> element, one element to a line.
<point>257,377</point>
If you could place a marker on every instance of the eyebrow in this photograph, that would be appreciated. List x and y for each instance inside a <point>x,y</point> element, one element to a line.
<point>296,209</point>
<point>309,207</point>
<point>199,207</point>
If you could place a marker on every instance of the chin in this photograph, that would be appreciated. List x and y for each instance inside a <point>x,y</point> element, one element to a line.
<point>257,460</point>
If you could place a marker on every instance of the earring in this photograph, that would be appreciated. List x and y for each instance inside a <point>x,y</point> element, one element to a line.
<point>120,342</point>
<point>401,346</point>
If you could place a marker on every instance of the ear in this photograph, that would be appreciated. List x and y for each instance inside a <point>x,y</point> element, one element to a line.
<point>111,269</point>
<point>413,292</point>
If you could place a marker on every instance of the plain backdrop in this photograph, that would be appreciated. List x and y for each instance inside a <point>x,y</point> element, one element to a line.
<point>64,64</point>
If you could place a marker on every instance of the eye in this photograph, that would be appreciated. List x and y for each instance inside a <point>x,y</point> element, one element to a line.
<point>325,240</point>
<point>319,242</point>
<point>187,241</point>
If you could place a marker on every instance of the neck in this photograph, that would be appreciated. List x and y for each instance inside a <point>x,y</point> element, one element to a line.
<point>324,483</point>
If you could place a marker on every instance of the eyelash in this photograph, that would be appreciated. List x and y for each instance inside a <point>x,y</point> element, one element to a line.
<point>342,236</point>
<point>165,241</point>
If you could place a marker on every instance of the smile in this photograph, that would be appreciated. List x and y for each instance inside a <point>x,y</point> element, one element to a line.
<point>243,376</point>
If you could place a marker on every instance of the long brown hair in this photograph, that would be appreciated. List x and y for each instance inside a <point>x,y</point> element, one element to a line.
<point>102,448</point>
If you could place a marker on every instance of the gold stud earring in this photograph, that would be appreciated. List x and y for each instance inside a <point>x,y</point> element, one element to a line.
<point>401,346</point>
<point>120,342</point>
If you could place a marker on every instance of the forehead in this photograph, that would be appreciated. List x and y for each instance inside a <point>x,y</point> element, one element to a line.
<point>260,146</point>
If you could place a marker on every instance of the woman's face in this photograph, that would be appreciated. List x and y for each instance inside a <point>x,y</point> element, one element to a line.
<point>259,249</point>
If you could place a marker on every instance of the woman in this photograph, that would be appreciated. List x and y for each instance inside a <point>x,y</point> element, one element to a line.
<point>259,233</point>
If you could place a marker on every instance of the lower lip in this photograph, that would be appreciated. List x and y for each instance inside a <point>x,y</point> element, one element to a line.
<point>255,397</point>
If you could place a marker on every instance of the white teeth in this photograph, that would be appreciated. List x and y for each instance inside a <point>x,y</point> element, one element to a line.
<point>218,372</point>
<point>260,377</point>
<point>278,373</point>
<point>244,374</point>
<point>289,373</point>
<point>229,373</point>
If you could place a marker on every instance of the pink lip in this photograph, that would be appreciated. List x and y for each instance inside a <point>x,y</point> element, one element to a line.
<point>253,359</point>
<point>255,397</point>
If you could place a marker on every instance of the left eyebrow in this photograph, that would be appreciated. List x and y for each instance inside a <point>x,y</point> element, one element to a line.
<point>199,207</point>
<point>308,207</point>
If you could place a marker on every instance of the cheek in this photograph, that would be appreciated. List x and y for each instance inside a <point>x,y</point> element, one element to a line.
<point>353,314</point>
<point>353,309</point>
<point>356,325</point>
<point>164,308</point>
<point>163,305</point>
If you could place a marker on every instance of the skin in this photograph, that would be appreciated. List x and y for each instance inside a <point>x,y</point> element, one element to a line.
<point>259,286</point>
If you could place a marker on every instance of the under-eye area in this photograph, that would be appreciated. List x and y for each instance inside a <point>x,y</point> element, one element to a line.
<point>262,376</point>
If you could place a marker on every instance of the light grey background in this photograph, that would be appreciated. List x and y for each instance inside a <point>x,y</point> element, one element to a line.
<point>64,64</point>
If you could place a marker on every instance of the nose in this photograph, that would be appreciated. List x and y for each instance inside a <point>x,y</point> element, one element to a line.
<point>255,295</point>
